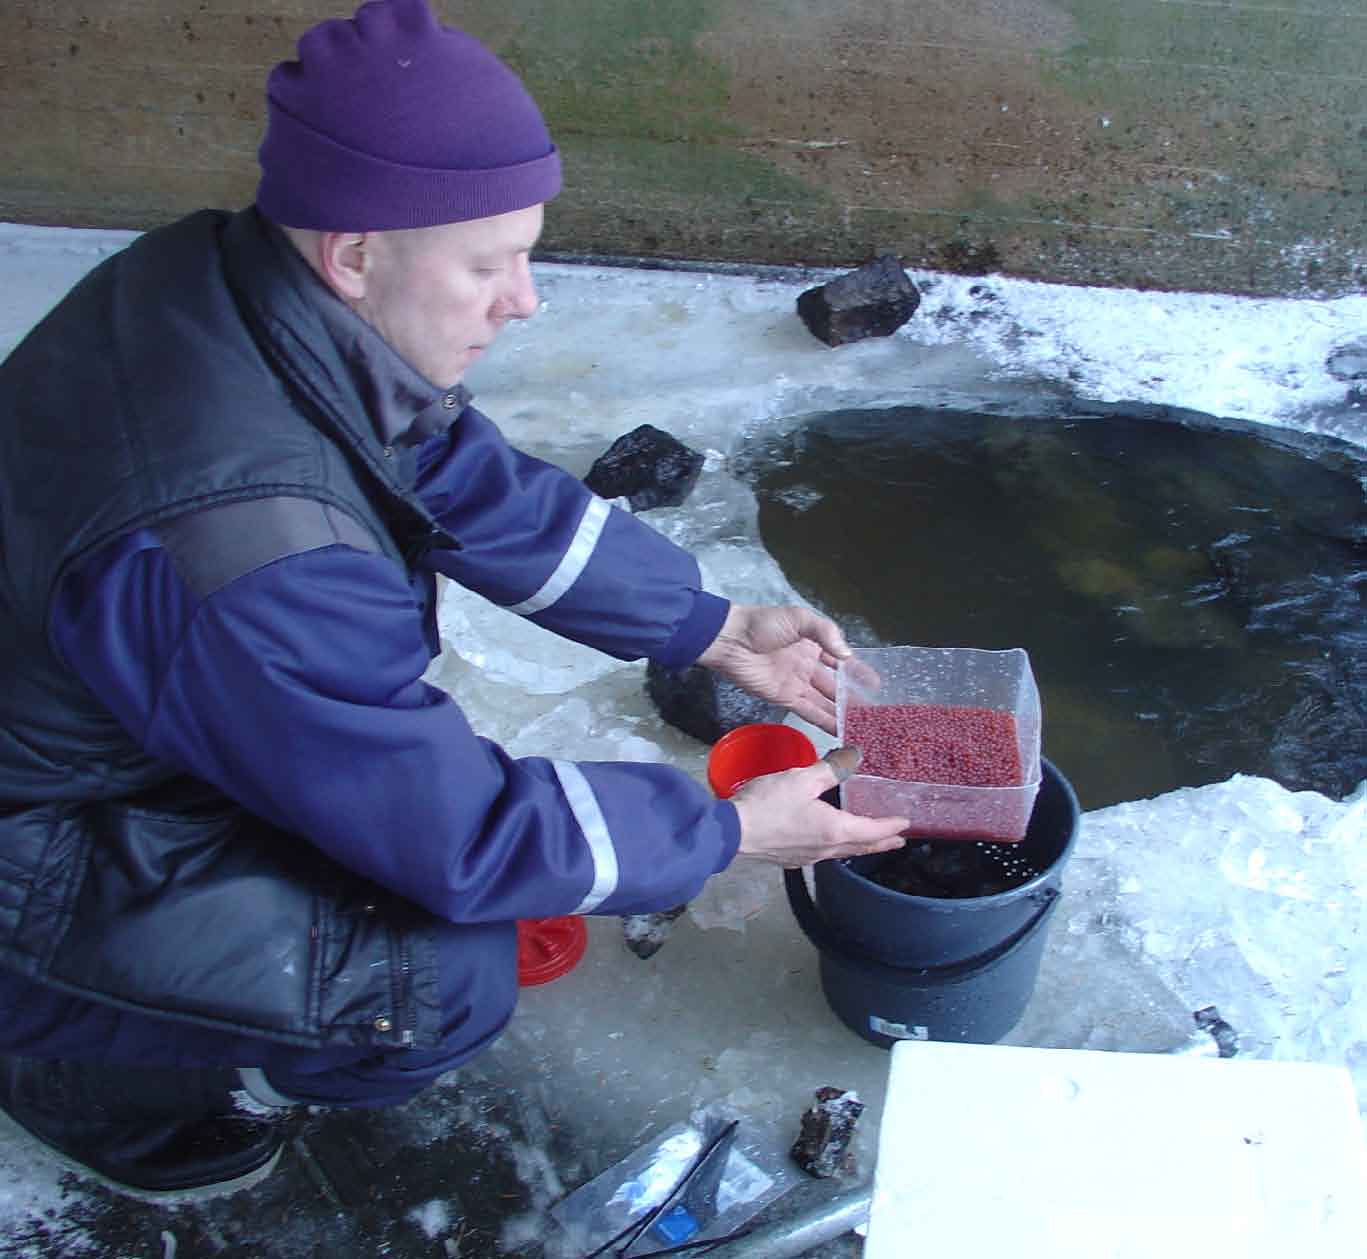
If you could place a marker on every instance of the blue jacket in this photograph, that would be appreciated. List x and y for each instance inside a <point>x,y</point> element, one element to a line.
<point>270,646</point>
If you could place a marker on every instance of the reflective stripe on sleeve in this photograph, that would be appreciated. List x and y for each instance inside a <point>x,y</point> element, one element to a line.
<point>574,561</point>
<point>591,821</point>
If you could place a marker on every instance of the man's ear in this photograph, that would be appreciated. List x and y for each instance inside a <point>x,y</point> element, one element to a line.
<point>344,262</point>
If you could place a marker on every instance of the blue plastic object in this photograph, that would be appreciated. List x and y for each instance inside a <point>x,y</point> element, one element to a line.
<point>675,1225</point>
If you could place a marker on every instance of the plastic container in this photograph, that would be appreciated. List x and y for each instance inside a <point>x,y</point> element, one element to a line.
<point>548,948</point>
<point>953,708</point>
<point>754,750</point>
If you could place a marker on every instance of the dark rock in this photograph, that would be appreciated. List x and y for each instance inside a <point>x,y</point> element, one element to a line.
<point>1226,1038</point>
<point>703,704</point>
<point>648,467</point>
<point>872,301</point>
<point>1348,362</point>
<point>822,1147</point>
<point>645,934</point>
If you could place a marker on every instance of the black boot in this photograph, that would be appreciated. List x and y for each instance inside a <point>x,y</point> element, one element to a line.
<point>153,1132</point>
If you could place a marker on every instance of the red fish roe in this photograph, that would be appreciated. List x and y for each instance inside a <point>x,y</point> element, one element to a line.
<point>936,743</point>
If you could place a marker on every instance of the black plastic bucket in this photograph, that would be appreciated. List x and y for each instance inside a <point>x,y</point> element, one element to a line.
<point>898,966</point>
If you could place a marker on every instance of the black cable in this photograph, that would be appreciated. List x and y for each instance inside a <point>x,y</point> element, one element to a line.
<point>633,1230</point>
<point>679,1186</point>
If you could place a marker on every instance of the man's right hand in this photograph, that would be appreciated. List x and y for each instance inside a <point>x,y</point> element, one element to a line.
<point>783,819</point>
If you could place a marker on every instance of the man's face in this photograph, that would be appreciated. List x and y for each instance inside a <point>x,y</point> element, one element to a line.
<point>440,295</point>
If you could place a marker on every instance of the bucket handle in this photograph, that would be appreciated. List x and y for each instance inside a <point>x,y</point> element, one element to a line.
<point>829,940</point>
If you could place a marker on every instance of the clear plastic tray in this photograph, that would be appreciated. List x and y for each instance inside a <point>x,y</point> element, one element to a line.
<point>946,707</point>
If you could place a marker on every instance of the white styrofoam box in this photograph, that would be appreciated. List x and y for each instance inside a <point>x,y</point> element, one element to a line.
<point>992,1151</point>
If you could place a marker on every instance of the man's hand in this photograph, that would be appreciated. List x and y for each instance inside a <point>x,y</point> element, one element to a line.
<point>784,655</point>
<point>783,820</point>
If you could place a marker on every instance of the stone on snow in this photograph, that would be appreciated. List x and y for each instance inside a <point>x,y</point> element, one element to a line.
<point>871,301</point>
<point>822,1148</point>
<point>648,467</point>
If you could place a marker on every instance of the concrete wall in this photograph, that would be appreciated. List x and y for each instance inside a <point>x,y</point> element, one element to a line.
<point>1192,144</point>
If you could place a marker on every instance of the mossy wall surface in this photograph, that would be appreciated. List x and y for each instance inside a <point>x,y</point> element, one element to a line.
<point>1188,144</point>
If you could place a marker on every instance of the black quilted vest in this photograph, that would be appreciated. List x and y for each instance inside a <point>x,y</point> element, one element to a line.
<point>181,375</point>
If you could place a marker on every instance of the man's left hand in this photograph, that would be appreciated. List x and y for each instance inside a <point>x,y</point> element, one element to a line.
<point>785,655</point>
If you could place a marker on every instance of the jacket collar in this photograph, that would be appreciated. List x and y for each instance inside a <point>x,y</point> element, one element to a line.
<point>403,405</point>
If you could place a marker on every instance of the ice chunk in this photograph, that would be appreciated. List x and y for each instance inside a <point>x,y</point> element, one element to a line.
<point>509,649</point>
<point>576,729</point>
<point>1249,896</point>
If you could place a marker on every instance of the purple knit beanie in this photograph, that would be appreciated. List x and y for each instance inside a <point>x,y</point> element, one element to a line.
<point>391,120</point>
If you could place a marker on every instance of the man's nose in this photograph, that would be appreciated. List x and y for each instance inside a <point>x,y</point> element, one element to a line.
<point>521,299</point>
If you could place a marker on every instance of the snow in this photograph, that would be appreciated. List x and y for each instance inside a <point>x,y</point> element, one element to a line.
<point>1241,893</point>
<point>1261,360</point>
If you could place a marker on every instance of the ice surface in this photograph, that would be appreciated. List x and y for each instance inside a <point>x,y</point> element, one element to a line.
<point>1247,896</point>
<point>512,651</point>
<point>1240,894</point>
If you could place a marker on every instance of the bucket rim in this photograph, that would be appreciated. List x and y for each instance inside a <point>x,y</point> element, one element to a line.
<point>1022,890</point>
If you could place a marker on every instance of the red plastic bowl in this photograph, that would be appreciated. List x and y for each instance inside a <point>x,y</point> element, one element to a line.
<point>548,948</point>
<point>751,751</point>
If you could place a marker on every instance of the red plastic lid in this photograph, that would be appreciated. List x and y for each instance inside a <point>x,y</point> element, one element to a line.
<point>548,948</point>
<point>750,751</point>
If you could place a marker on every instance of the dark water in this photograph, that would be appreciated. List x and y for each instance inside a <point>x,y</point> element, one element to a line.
<point>952,869</point>
<point>1192,597</point>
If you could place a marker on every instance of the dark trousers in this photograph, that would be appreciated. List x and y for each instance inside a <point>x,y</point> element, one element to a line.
<point>477,1002</point>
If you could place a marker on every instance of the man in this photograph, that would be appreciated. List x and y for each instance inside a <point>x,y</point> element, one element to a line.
<point>248,858</point>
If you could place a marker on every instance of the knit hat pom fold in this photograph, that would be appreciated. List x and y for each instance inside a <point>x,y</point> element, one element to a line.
<point>390,120</point>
